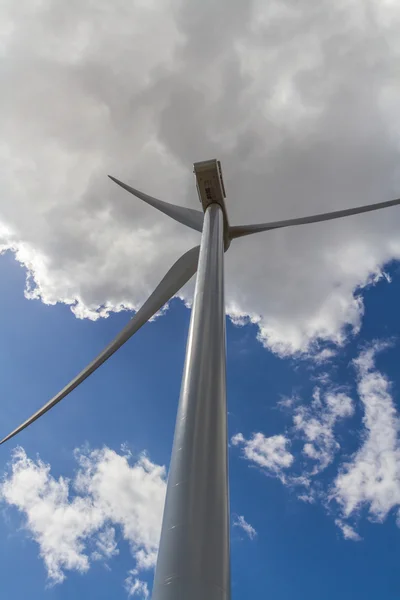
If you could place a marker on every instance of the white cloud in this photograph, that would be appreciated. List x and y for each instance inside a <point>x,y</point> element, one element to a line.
<point>316,422</point>
<point>301,122</point>
<point>268,452</point>
<point>371,479</point>
<point>286,403</point>
<point>142,486</point>
<point>348,532</point>
<point>59,525</point>
<point>241,522</point>
<point>136,587</point>
<point>106,544</point>
<point>324,356</point>
<point>69,518</point>
<point>307,498</point>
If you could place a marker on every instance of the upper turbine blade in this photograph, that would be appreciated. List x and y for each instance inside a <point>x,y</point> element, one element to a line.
<point>188,216</point>
<point>176,277</point>
<point>242,230</point>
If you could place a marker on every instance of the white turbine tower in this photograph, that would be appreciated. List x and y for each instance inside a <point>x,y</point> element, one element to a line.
<point>193,560</point>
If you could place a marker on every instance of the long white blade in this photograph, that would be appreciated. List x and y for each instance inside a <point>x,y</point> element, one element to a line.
<point>188,216</point>
<point>242,230</point>
<point>176,277</point>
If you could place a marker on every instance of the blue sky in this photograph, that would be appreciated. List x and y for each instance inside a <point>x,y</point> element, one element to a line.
<point>298,549</point>
<point>300,105</point>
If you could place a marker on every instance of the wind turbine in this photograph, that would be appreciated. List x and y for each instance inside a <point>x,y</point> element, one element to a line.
<point>194,558</point>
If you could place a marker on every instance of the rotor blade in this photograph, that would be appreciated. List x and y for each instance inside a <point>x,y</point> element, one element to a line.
<point>242,230</point>
<point>188,216</point>
<point>176,278</point>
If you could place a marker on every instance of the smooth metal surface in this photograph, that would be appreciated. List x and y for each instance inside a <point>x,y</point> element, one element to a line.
<point>187,216</point>
<point>176,278</point>
<point>193,559</point>
<point>241,230</point>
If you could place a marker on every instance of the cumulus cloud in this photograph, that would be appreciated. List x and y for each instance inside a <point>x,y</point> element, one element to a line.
<point>73,522</point>
<point>241,522</point>
<point>268,452</point>
<point>300,104</point>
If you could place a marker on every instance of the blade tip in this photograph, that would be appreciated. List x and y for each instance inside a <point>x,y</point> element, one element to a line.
<point>117,181</point>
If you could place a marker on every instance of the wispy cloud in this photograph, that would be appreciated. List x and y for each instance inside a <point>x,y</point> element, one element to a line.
<point>370,479</point>
<point>241,522</point>
<point>349,533</point>
<point>323,356</point>
<point>136,587</point>
<point>286,403</point>
<point>316,422</point>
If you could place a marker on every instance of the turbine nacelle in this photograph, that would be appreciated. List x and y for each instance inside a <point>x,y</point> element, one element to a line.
<point>211,190</point>
<point>210,183</point>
